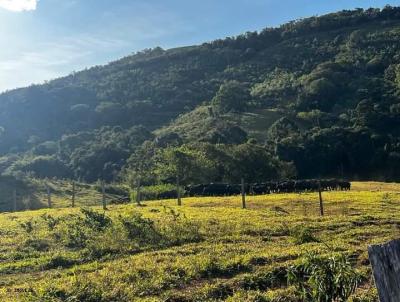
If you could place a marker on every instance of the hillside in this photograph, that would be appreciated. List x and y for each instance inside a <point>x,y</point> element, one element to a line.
<point>209,249</point>
<point>197,124</point>
<point>318,97</point>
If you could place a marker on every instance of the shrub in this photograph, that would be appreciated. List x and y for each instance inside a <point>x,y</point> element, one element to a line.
<point>177,229</point>
<point>36,244</point>
<point>28,226</point>
<point>303,235</point>
<point>76,231</point>
<point>73,233</point>
<point>95,220</point>
<point>57,261</point>
<point>140,229</point>
<point>324,279</point>
<point>50,221</point>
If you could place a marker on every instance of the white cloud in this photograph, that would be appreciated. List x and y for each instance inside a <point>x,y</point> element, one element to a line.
<point>49,60</point>
<point>18,5</point>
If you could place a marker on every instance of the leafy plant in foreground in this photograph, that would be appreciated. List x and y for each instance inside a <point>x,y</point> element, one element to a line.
<point>324,279</point>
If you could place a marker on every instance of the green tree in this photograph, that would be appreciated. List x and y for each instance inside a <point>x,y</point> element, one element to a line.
<point>231,96</point>
<point>282,128</point>
<point>252,162</point>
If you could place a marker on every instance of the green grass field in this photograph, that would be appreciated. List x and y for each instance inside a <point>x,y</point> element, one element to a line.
<point>209,249</point>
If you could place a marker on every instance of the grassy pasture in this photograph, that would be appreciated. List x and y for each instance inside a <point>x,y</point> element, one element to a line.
<point>209,249</point>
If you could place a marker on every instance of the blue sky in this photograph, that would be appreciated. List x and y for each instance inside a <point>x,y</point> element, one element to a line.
<point>44,39</point>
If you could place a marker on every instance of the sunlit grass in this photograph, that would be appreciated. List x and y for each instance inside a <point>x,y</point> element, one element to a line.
<point>238,248</point>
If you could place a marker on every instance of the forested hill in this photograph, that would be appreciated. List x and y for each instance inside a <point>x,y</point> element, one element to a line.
<point>314,97</point>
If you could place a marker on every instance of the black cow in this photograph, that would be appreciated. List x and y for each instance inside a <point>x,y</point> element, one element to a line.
<point>194,190</point>
<point>215,190</point>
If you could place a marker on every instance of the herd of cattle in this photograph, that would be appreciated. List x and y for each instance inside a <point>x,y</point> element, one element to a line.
<point>288,186</point>
<point>220,189</point>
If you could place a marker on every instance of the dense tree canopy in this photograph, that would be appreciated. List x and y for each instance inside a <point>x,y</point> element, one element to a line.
<point>314,97</point>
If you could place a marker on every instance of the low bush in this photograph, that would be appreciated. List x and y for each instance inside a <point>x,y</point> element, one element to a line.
<point>40,245</point>
<point>76,231</point>
<point>140,230</point>
<point>28,226</point>
<point>58,261</point>
<point>95,220</point>
<point>72,232</point>
<point>303,235</point>
<point>324,279</point>
<point>177,228</point>
<point>50,221</point>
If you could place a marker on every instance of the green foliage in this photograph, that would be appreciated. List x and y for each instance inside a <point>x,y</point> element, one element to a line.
<point>39,245</point>
<point>140,230</point>
<point>187,162</point>
<point>303,235</point>
<point>336,78</point>
<point>72,233</point>
<point>252,162</point>
<point>28,226</point>
<point>205,163</point>
<point>42,166</point>
<point>320,279</point>
<point>95,220</point>
<point>278,84</point>
<point>178,229</point>
<point>101,154</point>
<point>78,232</point>
<point>50,221</point>
<point>231,96</point>
<point>282,128</point>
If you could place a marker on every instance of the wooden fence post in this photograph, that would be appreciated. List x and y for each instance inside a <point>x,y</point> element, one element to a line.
<point>103,192</point>
<point>29,202</point>
<point>321,202</point>
<point>48,196</point>
<point>138,191</point>
<point>73,194</point>
<point>178,190</point>
<point>385,261</point>
<point>14,199</point>
<point>243,194</point>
